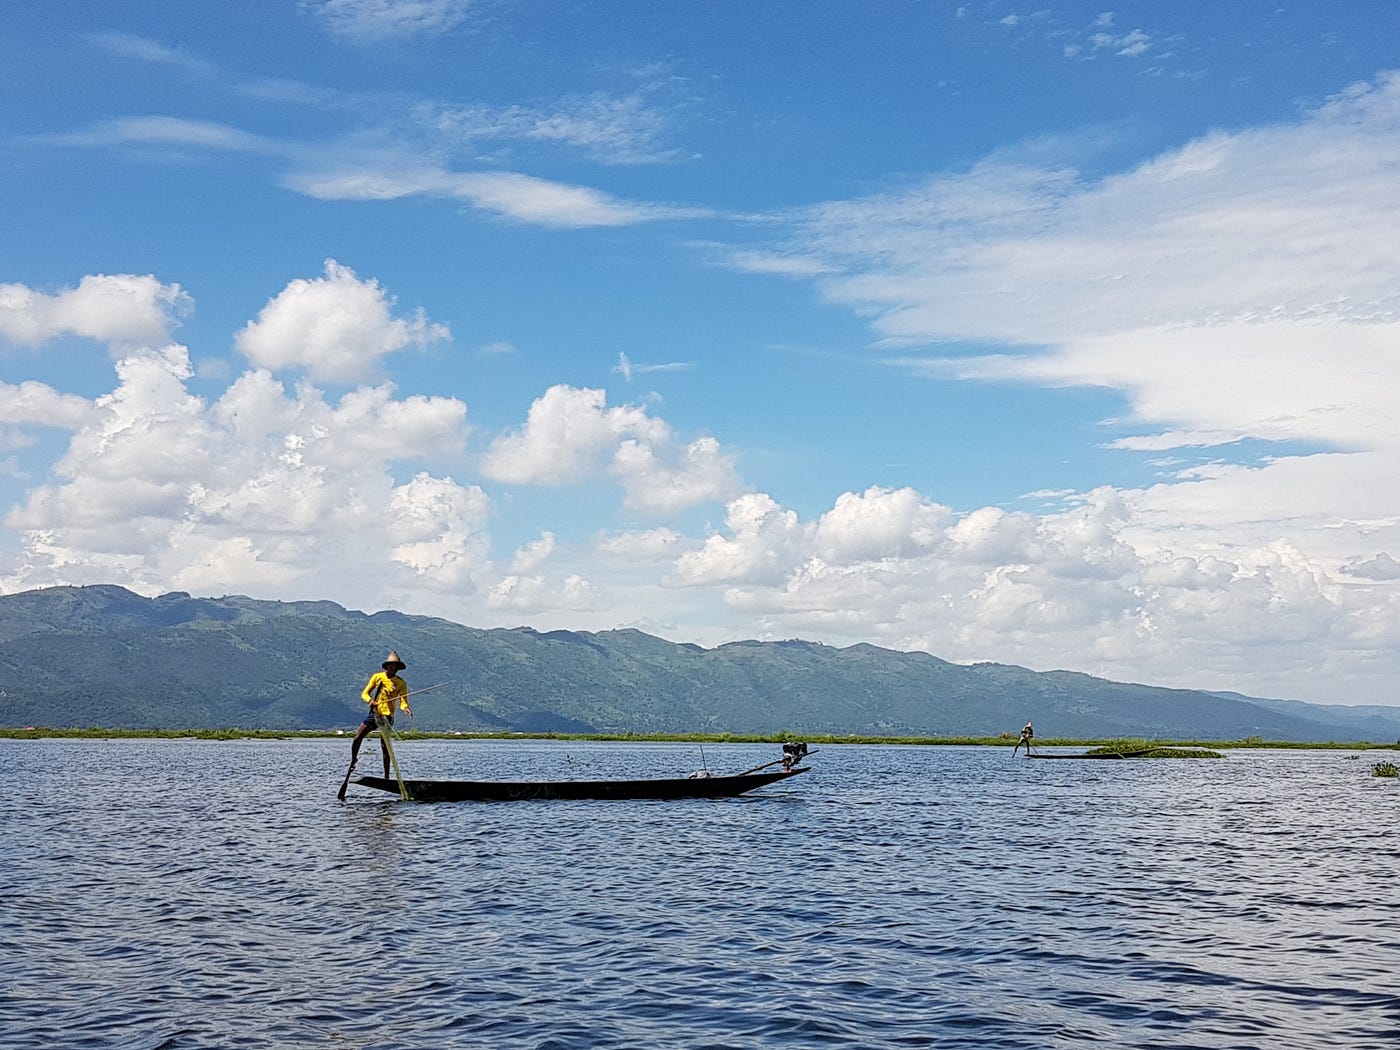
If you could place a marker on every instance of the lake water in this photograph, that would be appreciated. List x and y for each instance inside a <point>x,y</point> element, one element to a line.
<point>182,893</point>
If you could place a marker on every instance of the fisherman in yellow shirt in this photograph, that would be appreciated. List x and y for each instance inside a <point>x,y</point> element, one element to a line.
<point>380,692</point>
<point>1026,734</point>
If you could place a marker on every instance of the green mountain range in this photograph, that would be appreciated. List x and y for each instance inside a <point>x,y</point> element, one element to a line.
<point>103,656</point>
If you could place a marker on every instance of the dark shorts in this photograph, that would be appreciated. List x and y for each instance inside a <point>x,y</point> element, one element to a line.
<point>372,720</point>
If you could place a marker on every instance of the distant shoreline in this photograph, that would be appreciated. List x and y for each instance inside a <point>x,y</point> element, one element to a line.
<point>1004,740</point>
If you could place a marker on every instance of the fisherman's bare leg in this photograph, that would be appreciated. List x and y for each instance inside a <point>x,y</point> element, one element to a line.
<point>355,744</point>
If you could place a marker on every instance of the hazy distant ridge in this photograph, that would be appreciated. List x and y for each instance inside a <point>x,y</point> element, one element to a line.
<point>103,656</point>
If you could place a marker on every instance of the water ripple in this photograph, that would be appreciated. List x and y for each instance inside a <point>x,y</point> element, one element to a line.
<point>187,894</point>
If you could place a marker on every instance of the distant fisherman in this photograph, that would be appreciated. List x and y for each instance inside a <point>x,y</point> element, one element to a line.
<point>380,692</point>
<point>1026,735</point>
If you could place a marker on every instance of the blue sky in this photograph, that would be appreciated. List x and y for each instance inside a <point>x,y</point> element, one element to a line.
<point>1063,336</point>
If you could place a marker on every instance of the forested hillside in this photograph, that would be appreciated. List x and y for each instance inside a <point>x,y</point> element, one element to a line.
<point>103,656</point>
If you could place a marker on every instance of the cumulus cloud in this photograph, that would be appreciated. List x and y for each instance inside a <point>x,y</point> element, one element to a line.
<point>766,542</point>
<point>1068,589</point>
<point>878,523</point>
<point>1381,567</point>
<point>566,437</point>
<point>335,327</point>
<point>259,490</point>
<point>534,594</point>
<point>532,555</point>
<point>37,404</point>
<point>120,309</point>
<point>663,478</point>
<point>571,435</point>
<point>435,526</point>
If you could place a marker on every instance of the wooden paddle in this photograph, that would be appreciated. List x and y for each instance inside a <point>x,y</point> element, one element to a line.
<point>387,736</point>
<point>775,762</point>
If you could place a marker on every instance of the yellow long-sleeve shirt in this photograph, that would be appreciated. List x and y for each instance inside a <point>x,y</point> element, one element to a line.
<point>382,690</point>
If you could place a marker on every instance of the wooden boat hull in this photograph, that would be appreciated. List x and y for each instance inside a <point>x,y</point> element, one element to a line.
<point>517,791</point>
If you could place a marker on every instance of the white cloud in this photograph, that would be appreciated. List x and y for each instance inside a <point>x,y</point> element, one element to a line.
<point>335,327</point>
<point>661,478</point>
<point>608,128</point>
<point>168,131</point>
<point>33,404</point>
<point>532,555</point>
<point>534,594</point>
<point>878,523</point>
<point>256,492</point>
<point>778,264</point>
<point>121,309</point>
<point>627,369</point>
<point>1381,567</point>
<point>571,435</point>
<point>765,544</point>
<point>547,203</point>
<point>404,157</point>
<point>566,437</point>
<point>657,544</point>
<point>1071,589</point>
<point>371,21</point>
<point>510,195</point>
<point>435,526</point>
<point>1125,45</point>
<point>142,49</point>
<point>1291,224</point>
<point>1270,380</point>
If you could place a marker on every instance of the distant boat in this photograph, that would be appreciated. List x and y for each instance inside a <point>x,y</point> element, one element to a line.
<point>697,785</point>
<point>1156,751</point>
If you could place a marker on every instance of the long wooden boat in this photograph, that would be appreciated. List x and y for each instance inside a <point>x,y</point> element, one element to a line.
<point>517,791</point>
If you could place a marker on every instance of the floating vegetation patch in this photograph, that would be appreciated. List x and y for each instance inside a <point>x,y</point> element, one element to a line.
<point>1147,749</point>
<point>1385,769</point>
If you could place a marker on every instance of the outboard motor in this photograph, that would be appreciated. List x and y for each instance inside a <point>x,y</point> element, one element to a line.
<point>793,753</point>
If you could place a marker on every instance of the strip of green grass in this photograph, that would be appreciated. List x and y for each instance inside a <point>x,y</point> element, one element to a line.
<point>1004,740</point>
<point>1149,749</point>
